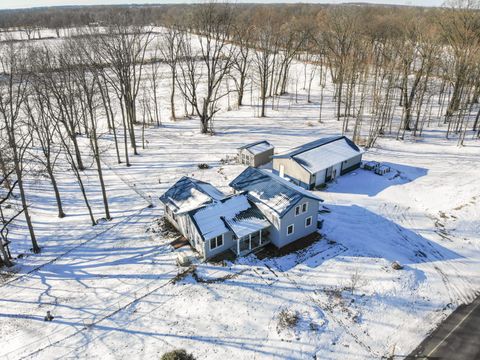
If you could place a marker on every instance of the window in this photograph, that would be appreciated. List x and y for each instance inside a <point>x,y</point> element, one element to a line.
<point>290,229</point>
<point>301,209</point>
<point>308,221</point>
<point>216,242</point>
<point>304,207</point>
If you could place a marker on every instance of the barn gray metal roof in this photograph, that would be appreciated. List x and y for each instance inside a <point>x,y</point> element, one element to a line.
<point>275,193</point>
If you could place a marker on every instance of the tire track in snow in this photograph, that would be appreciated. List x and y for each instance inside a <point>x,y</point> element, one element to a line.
<point>75,247</point>
<point>456,293</point>
<point>147,199</point>
<point>429,254</point>
<point>105,317</point>
<point>340,322</point>
<point>122,308</point>
<point>130,183</point>
<point>326,309</point>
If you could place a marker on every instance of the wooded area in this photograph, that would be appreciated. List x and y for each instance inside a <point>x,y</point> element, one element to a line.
<point>57,99</point>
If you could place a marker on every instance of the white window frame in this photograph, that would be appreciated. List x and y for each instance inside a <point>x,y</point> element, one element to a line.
<point>216,242</point>
<point>311,221</point>
<point>293,229</point>
<point>306,207</point>
<point>297,210</point>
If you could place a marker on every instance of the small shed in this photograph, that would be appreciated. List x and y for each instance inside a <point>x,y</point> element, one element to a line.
<point>255,154</point>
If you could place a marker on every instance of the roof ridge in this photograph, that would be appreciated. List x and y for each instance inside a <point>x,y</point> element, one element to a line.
<point>311,143</point>
<point>285,183</point>
<point>215,202</point>
<point>309,146</point>
<point>282,181</point>
<point>325,143</point>
<point>253,144</point>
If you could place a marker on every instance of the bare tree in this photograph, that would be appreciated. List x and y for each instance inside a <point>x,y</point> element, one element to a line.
<point>6,192</point>
<point>462,33</point>
<point>170,45</point>
<point>123,48</point>
<point>264,59</point>
<point>210,64</point>
<point>43,131</point>
<point>87,85</point>
<point>243,39</point>
<point>13,89</point>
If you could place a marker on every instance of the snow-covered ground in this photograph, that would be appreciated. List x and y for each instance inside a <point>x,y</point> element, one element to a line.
<point>115,291</point>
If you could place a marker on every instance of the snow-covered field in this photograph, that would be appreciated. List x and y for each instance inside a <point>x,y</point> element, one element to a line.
<point>114,289</point>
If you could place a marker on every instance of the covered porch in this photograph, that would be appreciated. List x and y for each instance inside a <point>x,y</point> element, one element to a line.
<point>251,242</point>
<point>250,231</point>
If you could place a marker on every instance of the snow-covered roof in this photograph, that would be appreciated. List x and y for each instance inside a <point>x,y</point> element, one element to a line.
<point>235,213</point>
<point>247,222</point>
<point>272,191</point>
<point>257,147</point>
<point>188,194</point>
<point>323,153</point>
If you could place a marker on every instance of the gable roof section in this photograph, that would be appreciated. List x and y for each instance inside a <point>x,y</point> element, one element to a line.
<point>188,194</point>
<point>323,153</point>
<point>257,147</point>
<point>270,191</point>
<point>247,222</point>
<point>234,213</point>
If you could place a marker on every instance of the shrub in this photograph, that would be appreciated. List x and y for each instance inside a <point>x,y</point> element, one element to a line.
<point>396,266</point>
<point>179,354</point>
<point>287,319</point>
<point>184,260</point>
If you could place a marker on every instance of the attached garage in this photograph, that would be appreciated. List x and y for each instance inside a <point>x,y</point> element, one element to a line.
<point>318,162</point>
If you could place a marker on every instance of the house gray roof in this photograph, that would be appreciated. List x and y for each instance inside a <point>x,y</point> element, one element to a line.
<point>247,222</point>
<point>268,190</point>
<point>257,147</point>
<point>323,153</point>
<point>188,194</point>
<point>235,213</point>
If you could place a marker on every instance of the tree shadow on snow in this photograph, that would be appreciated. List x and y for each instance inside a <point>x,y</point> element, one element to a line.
<point>364,182</point>
<point>355,231</point>
<point>368,234</point>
